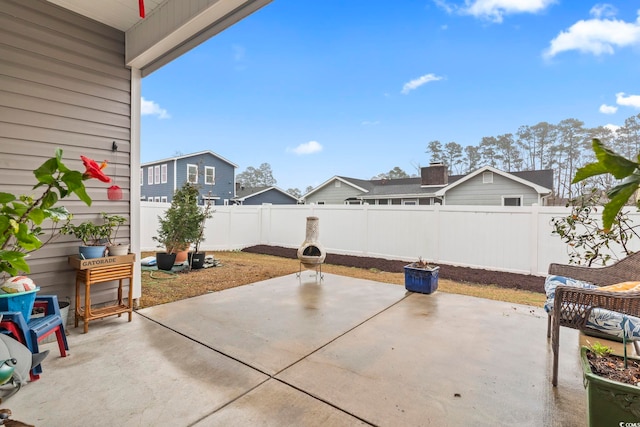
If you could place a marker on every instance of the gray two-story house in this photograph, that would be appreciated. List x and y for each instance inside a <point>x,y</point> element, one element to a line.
<point>212,174</point>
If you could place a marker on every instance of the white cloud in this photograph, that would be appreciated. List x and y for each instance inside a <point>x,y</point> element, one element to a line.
<point>495,10</point>
<point>307,148</point>
<point>612,128</point>
<point>597,36</point>
<point>416,83</point>
<point>150,108</point>
<point>628,101</point>
<point>603,10</point>
<point>608,109</point>
<point>370,123</point>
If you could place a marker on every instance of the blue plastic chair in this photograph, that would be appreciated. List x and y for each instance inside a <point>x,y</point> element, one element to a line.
<point>37,328</point>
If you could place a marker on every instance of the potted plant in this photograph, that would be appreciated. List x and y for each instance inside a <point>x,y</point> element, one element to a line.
<point>613,397</point>
<point>180,225</point>
<point>113,222</point>
<point>421,277</point>
<point>22,217</point>
<point>196,258</point>
<point>94,238</point>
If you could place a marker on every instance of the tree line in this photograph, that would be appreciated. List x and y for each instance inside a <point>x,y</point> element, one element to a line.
<point>562,147</point>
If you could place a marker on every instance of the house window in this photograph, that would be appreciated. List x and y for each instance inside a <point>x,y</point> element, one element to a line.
<point>512,201</point>
<point>353,202</point>
<point>410,202</point>
<point>225,202</point>
<point>209,175</point>
<point>150,175</point>
<point>487,177</point>
<point>141,176</point>
<point>320,203</point>
<point>156,199</point>
<point>192,174</point>
<point>163,174</point>
<point>163,199</point>
<point>156,174</point>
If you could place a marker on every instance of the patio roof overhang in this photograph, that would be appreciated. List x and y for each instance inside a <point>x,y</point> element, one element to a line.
<point>170,27</point>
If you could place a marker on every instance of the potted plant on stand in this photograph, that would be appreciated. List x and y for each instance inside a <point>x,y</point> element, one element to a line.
<point>180,225</point>
<point>94,238</point>
<point>421,277</point>
<point>113,223</point>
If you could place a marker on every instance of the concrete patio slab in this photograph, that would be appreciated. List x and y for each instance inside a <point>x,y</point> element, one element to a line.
<point>290,352</point>
<point>272,324</point>
<point>445,360</point>
<point>276,404</point>
<point>131,374</point>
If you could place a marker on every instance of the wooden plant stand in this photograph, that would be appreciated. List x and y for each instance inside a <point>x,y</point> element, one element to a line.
<point>100,270</point>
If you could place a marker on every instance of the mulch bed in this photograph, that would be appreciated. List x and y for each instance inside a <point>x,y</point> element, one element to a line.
<point>458,274</point>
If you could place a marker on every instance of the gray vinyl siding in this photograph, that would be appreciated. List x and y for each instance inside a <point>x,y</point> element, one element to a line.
<point>63,84</point>
<point>332,195</point>
<point>475,192</point>
<point>274,197</point>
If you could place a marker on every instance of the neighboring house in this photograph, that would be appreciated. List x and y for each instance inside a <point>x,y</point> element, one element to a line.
<point>485,186</point>
<point>262,195</point>
<point>212,174</point>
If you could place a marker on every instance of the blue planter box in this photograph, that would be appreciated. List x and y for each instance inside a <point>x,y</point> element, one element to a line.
<point>423,280</point>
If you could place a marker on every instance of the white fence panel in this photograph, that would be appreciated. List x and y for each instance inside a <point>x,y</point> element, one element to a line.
<point>516,239</point>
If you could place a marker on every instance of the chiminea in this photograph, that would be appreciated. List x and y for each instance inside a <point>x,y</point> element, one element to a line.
<point>311,254</point>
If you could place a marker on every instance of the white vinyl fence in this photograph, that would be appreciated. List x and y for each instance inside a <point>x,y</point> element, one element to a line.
<point>514,239</point>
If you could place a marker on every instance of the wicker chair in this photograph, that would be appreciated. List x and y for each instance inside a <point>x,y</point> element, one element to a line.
<point>575,304</point>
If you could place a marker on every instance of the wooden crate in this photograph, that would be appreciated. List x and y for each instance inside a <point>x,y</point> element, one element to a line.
<point>84,264</point>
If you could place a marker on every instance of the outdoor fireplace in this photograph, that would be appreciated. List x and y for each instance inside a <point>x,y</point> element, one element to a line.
<point>311,253</point>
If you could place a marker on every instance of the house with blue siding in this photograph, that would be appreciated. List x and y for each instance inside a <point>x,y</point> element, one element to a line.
<point>212,174</point>
<point>263,195</point>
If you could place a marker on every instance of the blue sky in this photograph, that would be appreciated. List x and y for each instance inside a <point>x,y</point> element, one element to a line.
<point>358,87</point>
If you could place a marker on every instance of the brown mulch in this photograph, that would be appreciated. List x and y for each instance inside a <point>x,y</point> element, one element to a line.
<point>525,282</point>
<point>612,367</point>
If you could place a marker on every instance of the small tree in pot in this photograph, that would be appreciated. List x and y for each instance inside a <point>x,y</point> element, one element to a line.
<point>196,258</point>
<point>180,225</point>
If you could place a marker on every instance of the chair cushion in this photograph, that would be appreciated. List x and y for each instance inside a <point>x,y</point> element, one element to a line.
<point>606,321</point>
<point>552,282</point>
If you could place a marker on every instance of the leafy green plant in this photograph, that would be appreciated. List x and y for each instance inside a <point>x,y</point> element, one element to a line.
<point>587,242</point>
<point>609,162</point>
<point>89,233</point>
<point>23,217</point>
<point>600,350</point>
<point>181,224</point>
<point>112,223</point>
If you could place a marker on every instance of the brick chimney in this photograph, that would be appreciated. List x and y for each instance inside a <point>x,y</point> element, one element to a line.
<point>434,174</point>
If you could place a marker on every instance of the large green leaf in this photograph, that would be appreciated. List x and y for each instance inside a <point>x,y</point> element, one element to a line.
<point>44,174</point>
<point>614,163</point>
<point>619,196</point>
<point>6,198</point>
<point>589,170</point>
<point>13,262</point>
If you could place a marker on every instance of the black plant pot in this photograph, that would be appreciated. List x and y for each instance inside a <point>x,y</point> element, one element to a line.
<point>196,259</point>
<point>165,261</point>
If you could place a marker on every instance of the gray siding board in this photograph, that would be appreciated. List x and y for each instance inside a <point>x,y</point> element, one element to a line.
<point>474,192</point>
<point>331,194</point>
<point>49,15</point>
<point>76,51</point>
<point>63,84</point>
<point>12,85</point>
<point>23,64</point>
